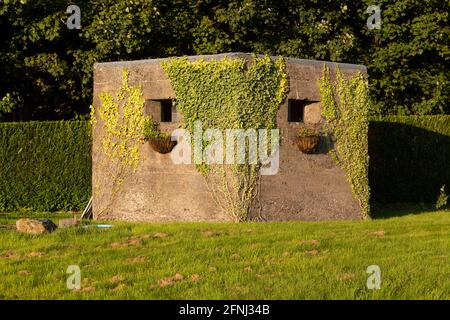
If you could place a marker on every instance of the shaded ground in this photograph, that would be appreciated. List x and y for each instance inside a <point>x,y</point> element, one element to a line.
<point>383,211</point>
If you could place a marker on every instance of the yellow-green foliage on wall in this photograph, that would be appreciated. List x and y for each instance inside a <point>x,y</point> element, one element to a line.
<point>228,93</point>
<point>345,107</point>
<point>123,122</point>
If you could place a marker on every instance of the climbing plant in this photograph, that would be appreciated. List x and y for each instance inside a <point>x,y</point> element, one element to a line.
<point>123,124</point>
<point>231,93</point>
<point>123,121</point>
<point>151,130</point>
<point>345,107</point>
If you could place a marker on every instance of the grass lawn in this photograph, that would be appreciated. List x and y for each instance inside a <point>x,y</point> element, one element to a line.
<point>276,260</point>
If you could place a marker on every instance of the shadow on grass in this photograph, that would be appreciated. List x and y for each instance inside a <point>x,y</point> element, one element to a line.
<point>383,211</point>
<point>407,164</point>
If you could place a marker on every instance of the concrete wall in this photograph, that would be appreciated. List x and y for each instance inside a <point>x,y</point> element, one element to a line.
<point>307,187</point>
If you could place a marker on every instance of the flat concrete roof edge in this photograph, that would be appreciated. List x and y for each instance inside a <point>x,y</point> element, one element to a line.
<point>232,55</point>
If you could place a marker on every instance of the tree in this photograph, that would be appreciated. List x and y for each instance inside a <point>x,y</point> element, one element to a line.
<point>408,58</point>
<point>47,68</point>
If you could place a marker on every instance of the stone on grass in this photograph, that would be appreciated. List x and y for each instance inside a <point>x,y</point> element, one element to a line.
<point>35,226</point>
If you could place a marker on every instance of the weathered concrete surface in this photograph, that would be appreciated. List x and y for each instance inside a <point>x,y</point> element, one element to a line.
<point>307,187</point>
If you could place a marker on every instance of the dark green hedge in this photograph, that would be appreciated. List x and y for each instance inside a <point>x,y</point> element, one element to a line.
<point>45,165</point>
<point>409,158</point>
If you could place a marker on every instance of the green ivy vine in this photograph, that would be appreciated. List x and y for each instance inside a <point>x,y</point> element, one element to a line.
<point>231,93</point>
<point>345,107</point>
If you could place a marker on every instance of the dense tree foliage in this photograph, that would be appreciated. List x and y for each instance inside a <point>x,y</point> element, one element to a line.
<point>47,68</point>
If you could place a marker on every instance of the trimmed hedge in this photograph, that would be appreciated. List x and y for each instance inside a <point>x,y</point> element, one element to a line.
<point>45,165</point>
<point>409,158</point>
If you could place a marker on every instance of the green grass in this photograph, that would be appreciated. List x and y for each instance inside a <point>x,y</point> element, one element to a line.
<point>277,260</point>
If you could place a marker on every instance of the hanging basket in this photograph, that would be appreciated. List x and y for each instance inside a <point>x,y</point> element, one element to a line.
<point>162,145</point>
<point>307,144</point>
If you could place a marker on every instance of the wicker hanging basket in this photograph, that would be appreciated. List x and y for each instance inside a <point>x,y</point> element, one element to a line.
<point>162,145</point>
<point>307,144</point>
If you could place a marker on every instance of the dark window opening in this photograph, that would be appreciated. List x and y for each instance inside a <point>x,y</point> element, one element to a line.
<point>166,110</point>
<point>296,110</point>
